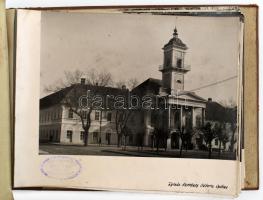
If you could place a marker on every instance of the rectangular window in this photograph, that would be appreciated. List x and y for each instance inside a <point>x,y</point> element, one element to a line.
<point>69,135</point>
<point>82,81</point>
<point>82,135</point>
<point>109,116</point>
<point>216,142</point>
<point>70,114</point>
<point>97,115</point>
<point>179,63</point>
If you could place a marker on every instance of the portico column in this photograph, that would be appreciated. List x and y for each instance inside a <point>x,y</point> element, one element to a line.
<point>203,116</point>
<point>147,122</point>
<point>181,124</point>
<point>181,117</point>
<point>193,117</point>
<point>168,144</point>
<point>195,145</point>
<point>169,117</point>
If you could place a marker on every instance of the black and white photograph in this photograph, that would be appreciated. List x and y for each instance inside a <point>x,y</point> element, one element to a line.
<point>139,85</point>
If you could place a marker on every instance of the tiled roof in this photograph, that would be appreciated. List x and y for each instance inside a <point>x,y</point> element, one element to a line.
<point>177,42</point>
<point>54,98</point>
<point>151,84</point>
<point>57,97</point>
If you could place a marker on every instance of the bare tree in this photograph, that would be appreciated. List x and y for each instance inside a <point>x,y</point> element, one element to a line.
<point>233,139</point>
<point>209,135</point>
<point>130,84</point>
<point>185,136</point>
<point>70,78</point>
<point>230,103</point>
<point>230,110</point>
<point>122,115</point>
<point>126,132</point>
<point>94,77</point>
<point>75,90</point>
<point>222,135</point>
<point>121,118</point>
<point>120,84</point>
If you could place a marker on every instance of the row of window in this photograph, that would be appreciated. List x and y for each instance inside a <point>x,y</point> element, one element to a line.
<point>50,115</point>
<point>70,135</point>
<point>55,114</point>
<point>95,136</point>
<point>84,115</point>
<point>51,135</point>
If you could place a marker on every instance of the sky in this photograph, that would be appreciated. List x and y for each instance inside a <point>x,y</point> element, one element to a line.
<point>130,46</point>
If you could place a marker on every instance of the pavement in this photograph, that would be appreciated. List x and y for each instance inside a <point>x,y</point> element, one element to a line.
<point>113,150</point>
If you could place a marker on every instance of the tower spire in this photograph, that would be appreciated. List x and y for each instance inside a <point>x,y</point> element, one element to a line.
<point>175,34</point>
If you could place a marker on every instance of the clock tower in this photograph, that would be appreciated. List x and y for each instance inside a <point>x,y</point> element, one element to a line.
<point>174,67</point>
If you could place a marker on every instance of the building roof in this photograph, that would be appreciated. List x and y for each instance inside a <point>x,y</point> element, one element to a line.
<point>192,94</point>
<point>175,41</point>
<point>217,112</point>
<point>151,84</point>
<point>57,97</point>
<point>54,98</point>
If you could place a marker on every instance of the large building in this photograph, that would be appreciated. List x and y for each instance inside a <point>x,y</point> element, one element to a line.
<point>180,109</point>
<point>164,107</point>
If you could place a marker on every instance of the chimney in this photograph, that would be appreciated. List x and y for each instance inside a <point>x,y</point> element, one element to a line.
<point>82,81</point>
<point>123,87</point>
<point>209,99</point>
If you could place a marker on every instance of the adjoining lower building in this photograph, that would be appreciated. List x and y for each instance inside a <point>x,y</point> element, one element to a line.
<point>59,124</point>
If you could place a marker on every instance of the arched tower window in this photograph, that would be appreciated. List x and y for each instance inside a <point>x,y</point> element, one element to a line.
<point>179,63</point>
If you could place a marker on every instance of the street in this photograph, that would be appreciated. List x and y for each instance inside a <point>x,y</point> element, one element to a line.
<point>105,150</point>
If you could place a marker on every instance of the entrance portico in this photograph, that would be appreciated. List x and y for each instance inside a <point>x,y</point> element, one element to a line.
<point>185,113</point>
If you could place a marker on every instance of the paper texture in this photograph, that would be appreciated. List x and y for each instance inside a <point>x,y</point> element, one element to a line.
<point>251,107</point>
<point>5,131</point>
<point>251,96</point>
<point>97,172</point>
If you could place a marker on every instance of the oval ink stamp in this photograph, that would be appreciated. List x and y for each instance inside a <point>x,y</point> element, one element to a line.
<point>60,167</point>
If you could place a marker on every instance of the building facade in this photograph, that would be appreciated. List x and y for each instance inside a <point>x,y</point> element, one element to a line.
<point>59,124</point>
<point>165,113</point>
<point>181,110</point>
